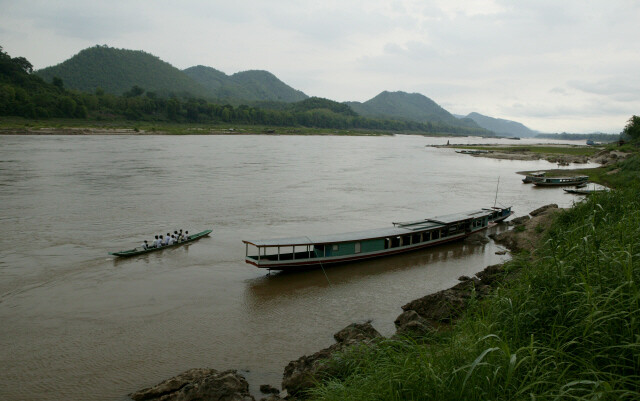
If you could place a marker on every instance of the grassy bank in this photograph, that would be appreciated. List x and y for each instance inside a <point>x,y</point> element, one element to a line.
<point>539,149</point>
<point>567,328</point>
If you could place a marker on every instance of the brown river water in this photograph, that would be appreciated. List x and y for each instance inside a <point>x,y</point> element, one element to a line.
<point>78,324</point>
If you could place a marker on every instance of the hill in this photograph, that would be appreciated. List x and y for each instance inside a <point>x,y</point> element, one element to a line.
<point>117,70</point>
<point>502,127</point>
<point>247,86</point>
<point>410,107</point>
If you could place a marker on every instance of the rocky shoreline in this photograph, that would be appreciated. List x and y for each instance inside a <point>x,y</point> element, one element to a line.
<point>421,316</point>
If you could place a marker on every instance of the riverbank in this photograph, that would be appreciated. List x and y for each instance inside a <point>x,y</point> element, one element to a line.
<point>422,317</point>
<point>561,319</point>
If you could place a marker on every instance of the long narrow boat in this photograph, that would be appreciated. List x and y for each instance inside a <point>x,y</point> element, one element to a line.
<point>307,252</point>
<point>560,181</point>
<point>140,250</point>
<point>531,177</point>
<point>586,191</point>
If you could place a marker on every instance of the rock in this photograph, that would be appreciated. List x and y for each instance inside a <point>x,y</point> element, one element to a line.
<point>411,323</point>
<point>443,306</point>
<point>464,278</point>
<point>501,252</point>
<point>525,236</point>
<point>543,208</point>
<point>267,389</point>
<point>357,332</point>
<point>519,220</point>
<point>477,239</point>
<point>491,274</point>
<point>303,373</point>
<point>199,384</point>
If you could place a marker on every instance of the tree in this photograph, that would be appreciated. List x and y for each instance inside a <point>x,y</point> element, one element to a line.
<point>57,82</point>
<point>632,129</point>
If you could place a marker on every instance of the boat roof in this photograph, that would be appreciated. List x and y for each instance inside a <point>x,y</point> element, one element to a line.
<point>402,228</point>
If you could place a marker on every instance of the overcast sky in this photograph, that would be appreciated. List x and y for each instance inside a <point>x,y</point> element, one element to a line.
<point>553,65</point>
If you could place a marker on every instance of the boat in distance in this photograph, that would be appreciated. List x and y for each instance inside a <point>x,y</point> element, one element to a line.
<point>141,251</point>
<point>303,252</point>
<point>560,181</point>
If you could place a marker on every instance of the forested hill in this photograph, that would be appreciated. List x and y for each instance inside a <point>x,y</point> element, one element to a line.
<point>117,70</point>
<point>247,86</point>
<point>501,126</point>
<point>410,107</point>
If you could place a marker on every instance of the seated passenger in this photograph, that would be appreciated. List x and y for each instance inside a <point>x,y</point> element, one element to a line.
<point>156,242</point>
<point>171,240</point>
<point>145,245</point>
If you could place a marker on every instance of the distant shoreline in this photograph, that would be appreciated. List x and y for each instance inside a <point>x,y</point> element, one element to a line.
<point>197,131</point>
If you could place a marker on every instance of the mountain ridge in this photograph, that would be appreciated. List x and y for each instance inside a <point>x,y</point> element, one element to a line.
<point>501,126</point>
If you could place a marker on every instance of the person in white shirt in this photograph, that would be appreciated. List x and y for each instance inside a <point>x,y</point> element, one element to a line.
<point>160,241</point>
<point>145,245</point>
<point>156,242</point>
<point>186,235</point>
<point>171,240</point>
<point>167,238</point>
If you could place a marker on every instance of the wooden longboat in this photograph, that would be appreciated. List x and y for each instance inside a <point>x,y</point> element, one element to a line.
<point>531,177</point>
<point>141,251</point>
<point>318,251</point>
<point>561,181</point>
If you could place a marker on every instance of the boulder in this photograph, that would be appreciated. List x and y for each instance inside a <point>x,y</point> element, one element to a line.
<point>519,220</point>
<point>477,239</point>
<point>543,208</point>
<point>443,306</point>
<point>356,332</point>
<point>303,373</point>
<point>267,389</point>
<point>411,323</point>
<point>198,384</point>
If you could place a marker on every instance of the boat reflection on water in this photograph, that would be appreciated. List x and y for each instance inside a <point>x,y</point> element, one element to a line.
<point>283,286</point>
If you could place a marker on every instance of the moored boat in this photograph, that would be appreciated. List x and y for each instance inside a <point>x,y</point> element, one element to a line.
<point>531,177</point>
<point>140,250</point>
<point>560,181</point>
<point>585,191</point>
<point>318,251</point>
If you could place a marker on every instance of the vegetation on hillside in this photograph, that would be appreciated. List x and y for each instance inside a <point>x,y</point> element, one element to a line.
<point>24,94</point>
<point>411,107</point>
<point>115,71</point>
<point>244,87</point>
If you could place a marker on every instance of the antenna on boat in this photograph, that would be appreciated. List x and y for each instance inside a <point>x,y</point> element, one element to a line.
<point>496,199</point>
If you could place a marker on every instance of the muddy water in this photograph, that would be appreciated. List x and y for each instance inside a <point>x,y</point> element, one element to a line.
<point>77,324</point>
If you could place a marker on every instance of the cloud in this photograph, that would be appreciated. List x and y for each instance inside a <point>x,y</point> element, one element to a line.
<point>536,60</point>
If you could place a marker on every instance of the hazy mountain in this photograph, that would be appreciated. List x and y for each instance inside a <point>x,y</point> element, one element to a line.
<point>250,86</point>
<point>502,127</point>
<point>117,70</point>
<point>408,106</point>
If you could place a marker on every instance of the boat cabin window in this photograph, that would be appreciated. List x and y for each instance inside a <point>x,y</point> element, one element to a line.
<point>357,247</point>
<point>435,234</point>
<point>335,247</point>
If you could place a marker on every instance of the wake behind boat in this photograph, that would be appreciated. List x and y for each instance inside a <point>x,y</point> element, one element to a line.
<point>141,251</point>
<point>317,251</point>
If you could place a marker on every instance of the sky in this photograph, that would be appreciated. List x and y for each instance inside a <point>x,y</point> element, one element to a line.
<point>555,66</point>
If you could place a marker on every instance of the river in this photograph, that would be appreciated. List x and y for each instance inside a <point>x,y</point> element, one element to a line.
<point>78,324</point>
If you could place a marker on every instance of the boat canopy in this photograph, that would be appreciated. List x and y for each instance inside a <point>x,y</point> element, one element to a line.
<point>398,229</point>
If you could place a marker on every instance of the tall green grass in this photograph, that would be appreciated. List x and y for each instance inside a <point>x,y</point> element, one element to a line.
<point>568,328</point>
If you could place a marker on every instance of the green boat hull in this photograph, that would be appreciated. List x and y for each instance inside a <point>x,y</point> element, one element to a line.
<point>140,251</point>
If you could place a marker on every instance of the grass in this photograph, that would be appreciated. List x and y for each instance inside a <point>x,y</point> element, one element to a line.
<point>567,329</point>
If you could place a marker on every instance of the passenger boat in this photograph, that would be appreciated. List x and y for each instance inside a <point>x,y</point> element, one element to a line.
<point>561,181</point>
<point>531,177</point>
<point>318,251</point>
<point>140,250</point>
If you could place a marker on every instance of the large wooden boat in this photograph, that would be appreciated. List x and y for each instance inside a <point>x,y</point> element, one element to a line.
<point>561,181</point>
<point>140,250</point>
<point>318,251</point>
<point>531,177</point>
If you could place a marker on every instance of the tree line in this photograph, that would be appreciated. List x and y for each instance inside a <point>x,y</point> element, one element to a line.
<point>25,94</point>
